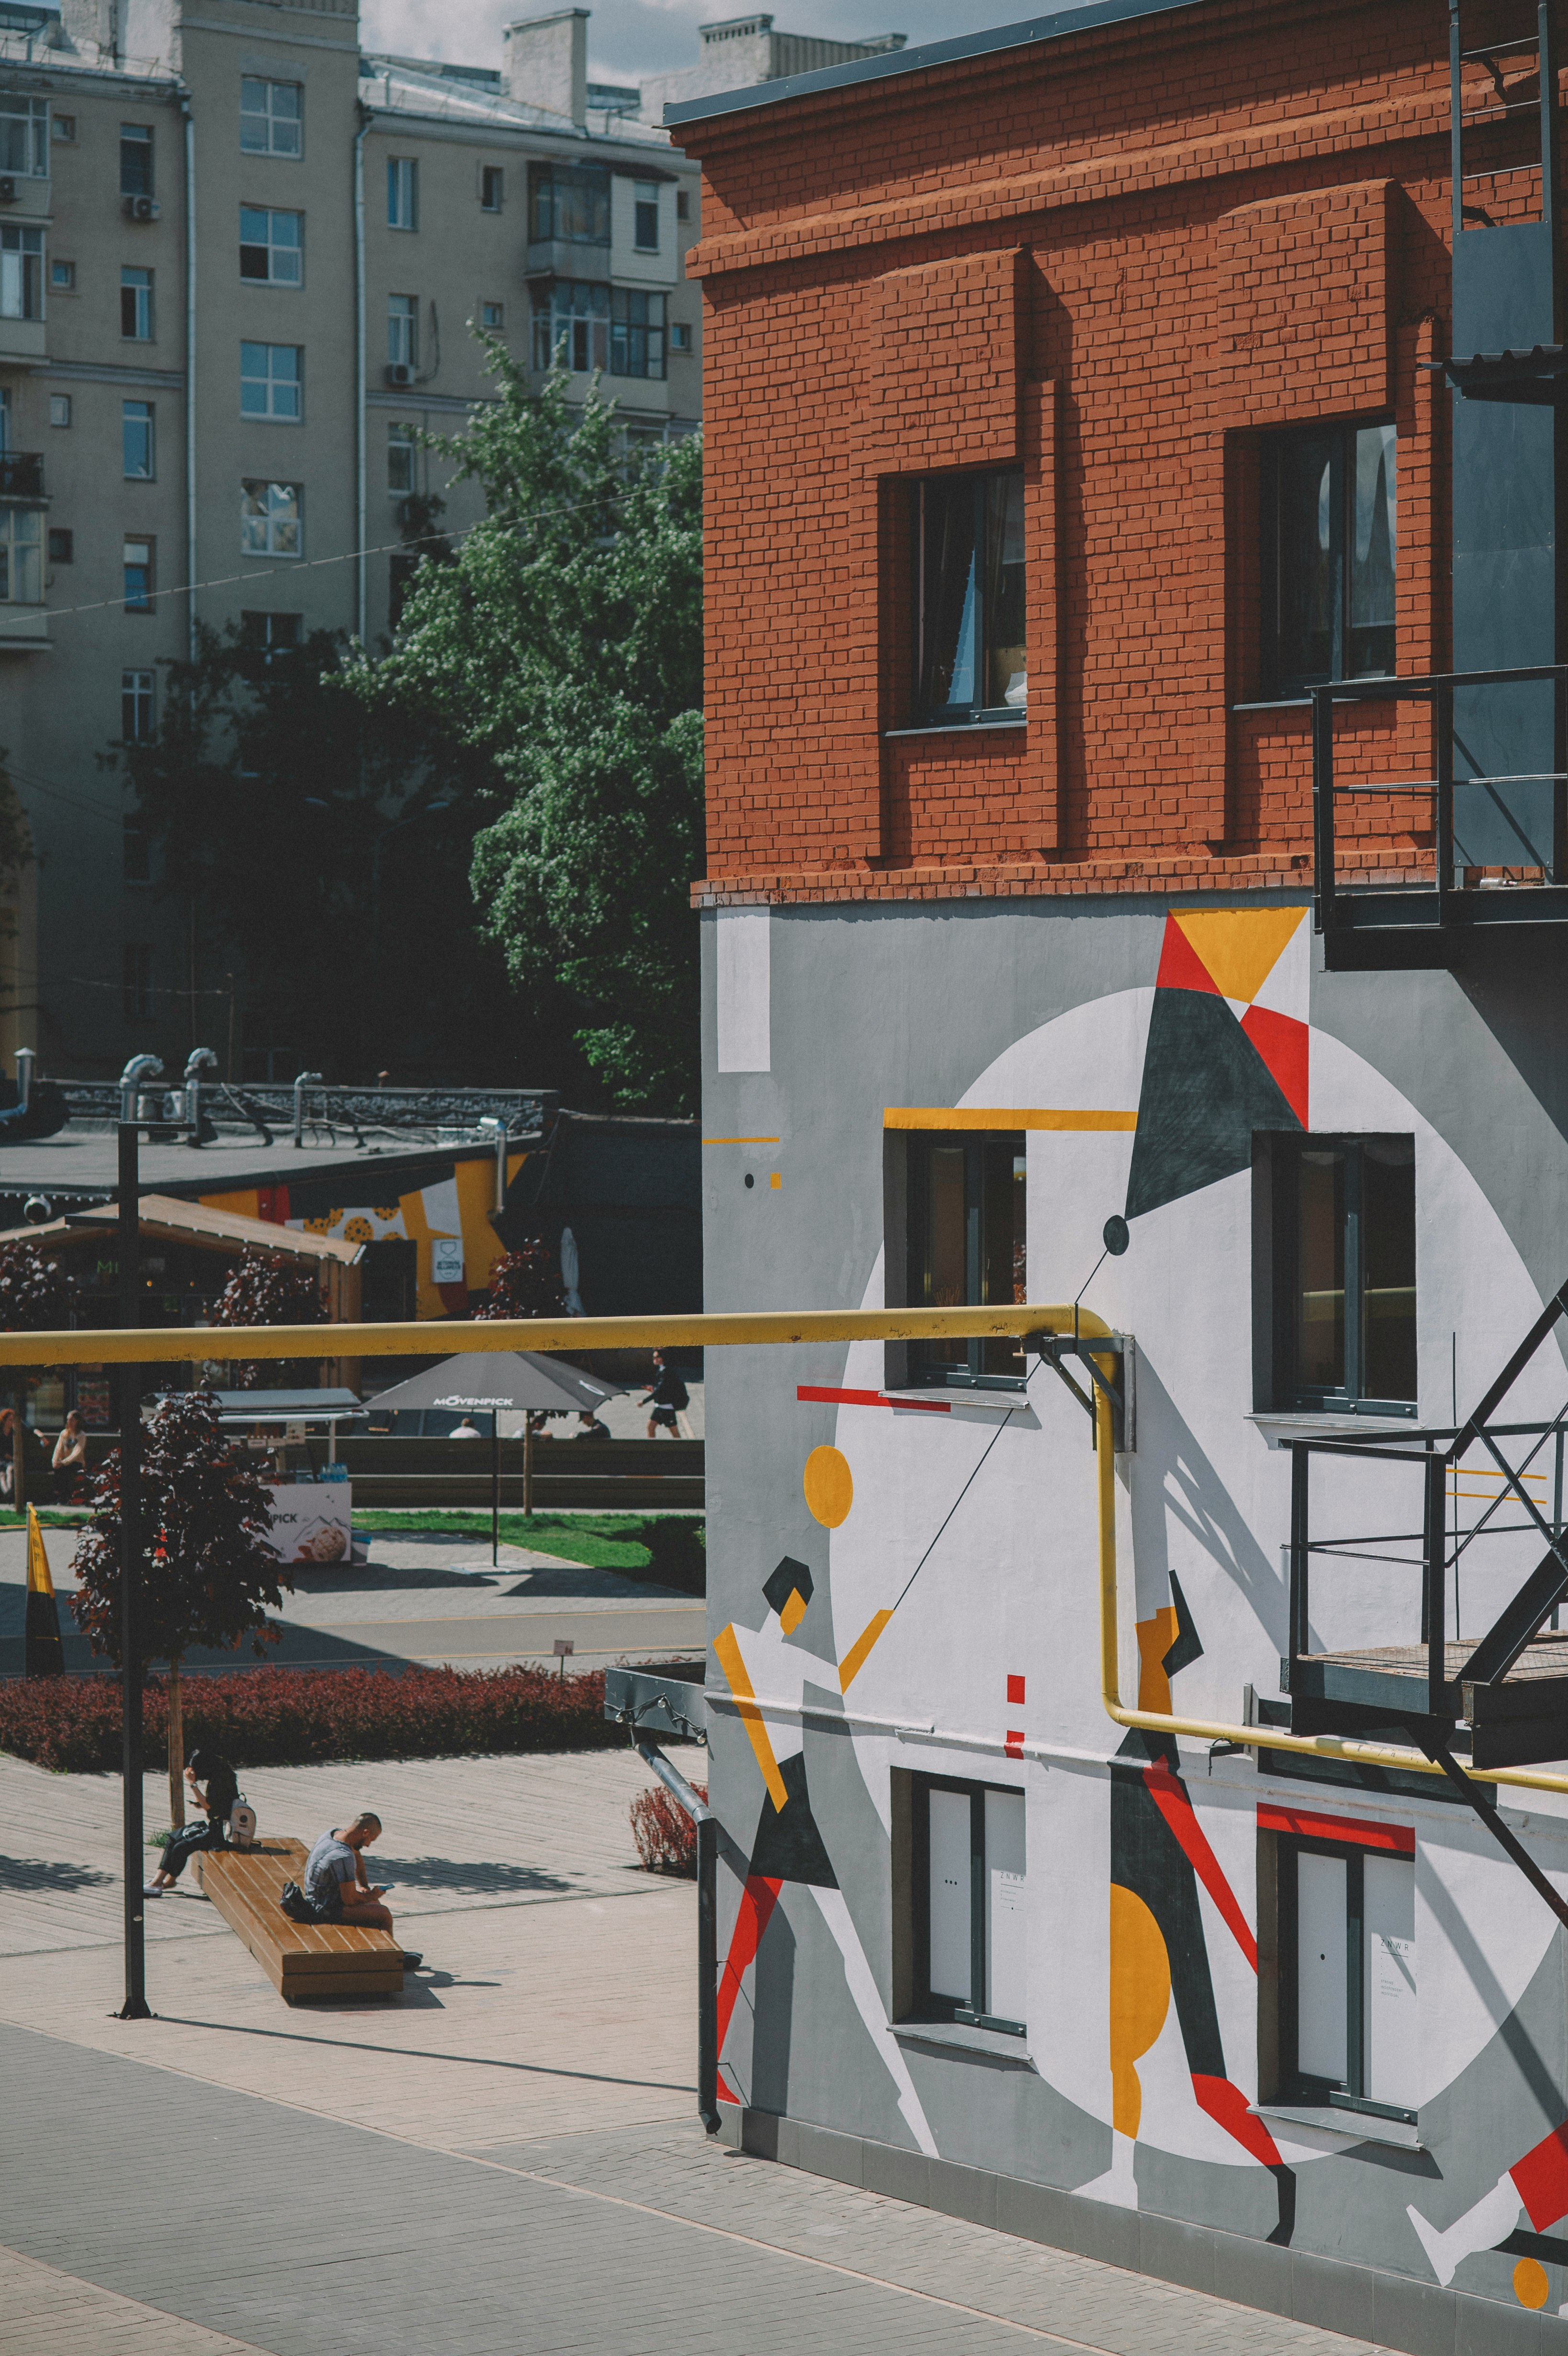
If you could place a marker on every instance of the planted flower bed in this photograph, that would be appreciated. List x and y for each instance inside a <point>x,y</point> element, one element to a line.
<point>294,1718</point>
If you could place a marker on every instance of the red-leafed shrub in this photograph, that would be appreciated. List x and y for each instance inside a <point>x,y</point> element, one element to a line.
<point>665,1833</point>
<point>292,1718</point>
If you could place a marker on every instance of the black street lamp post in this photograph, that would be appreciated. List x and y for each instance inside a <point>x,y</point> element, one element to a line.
<point>135,2007</point>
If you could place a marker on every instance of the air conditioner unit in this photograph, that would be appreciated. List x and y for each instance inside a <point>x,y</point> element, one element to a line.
<point>399,372</point>
<point>7,190</point>
<point>142,209</point>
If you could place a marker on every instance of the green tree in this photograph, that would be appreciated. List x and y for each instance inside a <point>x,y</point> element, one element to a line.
<point>562,641</point>
<point>208,1576</point>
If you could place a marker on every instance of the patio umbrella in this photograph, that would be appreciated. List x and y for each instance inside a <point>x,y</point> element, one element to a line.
<point>489,1380</point>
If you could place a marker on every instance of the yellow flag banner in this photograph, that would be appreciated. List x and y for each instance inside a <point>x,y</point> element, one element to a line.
<point>43,1653</point>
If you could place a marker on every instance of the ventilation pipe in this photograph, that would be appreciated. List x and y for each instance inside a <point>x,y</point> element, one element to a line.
<point>139,1069</point>
<point>305,1080</point>
<point>24,1058</point>
<point>200,1059</point>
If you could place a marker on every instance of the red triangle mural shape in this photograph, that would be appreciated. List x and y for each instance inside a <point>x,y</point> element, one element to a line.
<point>1282,1043</point>
<point>1180,967</point>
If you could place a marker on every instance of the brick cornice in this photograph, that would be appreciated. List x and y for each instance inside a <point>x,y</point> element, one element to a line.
<point>1282,870</point>
<point>1345,135</point>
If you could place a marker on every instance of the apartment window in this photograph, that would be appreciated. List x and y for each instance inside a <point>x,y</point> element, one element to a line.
<point>493,316</point>
<point>270,116</point>
<point>403,192</point>
<point>271,520</point>
<point>273,634</point>
<point>21,274</point>
<point>24,136</point>
<point>636,334</point>
<point>137,566</point>
<point>64,127</point>
<point>569,204</point>
<point>136,851</point>
<point>1345,1275</point>
<point>136,306</point>
<point>136,706</point>
<point>137,982</point>
<point>60,409</point>
<point>683,204</point>
<point>1348,1989</point>
<point>966,1235</point>
<point>492,187</point>
<point>971,655</point>
<point>136,440</point>
<point>969,1895</point>
<point>1330,546</point>
<point>646,216</point>
<point>62,545</point>
<point>679,336</point>
<point>402,331</point>
<point>402,443</point>
<point>576,313</point>
<point>135,159</point>
<point>271,246</point>
<point>272,381</point>
<point>62,277</point>
<point>21,551</point>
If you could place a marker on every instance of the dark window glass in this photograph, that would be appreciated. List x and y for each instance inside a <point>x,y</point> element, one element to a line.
<point>491,186</point>
<point>1331,545</point>
<point>570,203</point>
<point>1352,1237</point>
<point>966,1239</point>
<point>637,332</point>
<point>62,546</point>
<point>573,314</point>
<point>971,656</point>
<point>646,216</point>
<point>135,160</point>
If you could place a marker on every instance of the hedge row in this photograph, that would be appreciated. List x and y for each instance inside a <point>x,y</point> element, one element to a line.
<point>294,1718</point>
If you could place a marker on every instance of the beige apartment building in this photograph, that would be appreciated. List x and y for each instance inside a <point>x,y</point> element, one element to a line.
<point>238,262</point>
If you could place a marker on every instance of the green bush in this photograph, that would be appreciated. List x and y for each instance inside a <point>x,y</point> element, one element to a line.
<point>677,1554</point>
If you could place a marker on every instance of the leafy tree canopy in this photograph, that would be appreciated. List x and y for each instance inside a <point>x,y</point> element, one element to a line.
<point>563,642</point>
<point>210,1576</point>
<point>32,1291</point>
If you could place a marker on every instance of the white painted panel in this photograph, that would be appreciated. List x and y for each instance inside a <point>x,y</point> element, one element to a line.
<point>1393,2054</point>
<point>1321,2025</point>
<point>745,1035</point>
<point>1007,1918</point>
<point>950,1905</point>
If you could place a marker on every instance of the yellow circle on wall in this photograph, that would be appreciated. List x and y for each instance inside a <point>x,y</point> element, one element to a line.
<point>1530,2286</point>
<point>829,1490</point>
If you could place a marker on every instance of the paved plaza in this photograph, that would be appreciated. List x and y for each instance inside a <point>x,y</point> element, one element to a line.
<point>505,2161</point>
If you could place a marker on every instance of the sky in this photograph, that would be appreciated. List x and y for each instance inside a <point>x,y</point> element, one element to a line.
<point>629,37</point>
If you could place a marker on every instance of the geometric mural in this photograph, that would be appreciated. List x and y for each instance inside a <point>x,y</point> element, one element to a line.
<point>1227,1050</point>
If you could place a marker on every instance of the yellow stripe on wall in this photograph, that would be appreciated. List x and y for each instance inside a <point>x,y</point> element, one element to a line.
<point>1001,1117</point>
<point>727,1652</point>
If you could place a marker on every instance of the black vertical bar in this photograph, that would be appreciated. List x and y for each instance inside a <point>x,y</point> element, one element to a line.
<point>708,1972</point>
<point>1355,1353</point>
<point>1355,2009</point>
<point>974,1238</point>
<point>1323,806</point>
<point>1443,755</point>
<point>1557,1504</point>
<point>1300,1468</point>
<point>1434,1582</point>
<point>134,1867</point>
<point>494,1486</point>
<point>1560,767</point>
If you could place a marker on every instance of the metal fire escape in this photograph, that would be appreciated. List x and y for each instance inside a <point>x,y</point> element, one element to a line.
<point>1496,801</point>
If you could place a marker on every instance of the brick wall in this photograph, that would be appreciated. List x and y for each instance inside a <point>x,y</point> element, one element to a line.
<point>1120,261</point>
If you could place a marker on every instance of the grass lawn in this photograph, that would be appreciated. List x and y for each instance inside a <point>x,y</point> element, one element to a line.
<point>605,1541</point>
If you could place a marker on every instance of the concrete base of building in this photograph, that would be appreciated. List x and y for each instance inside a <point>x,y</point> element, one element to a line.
<point>1389,2310</point>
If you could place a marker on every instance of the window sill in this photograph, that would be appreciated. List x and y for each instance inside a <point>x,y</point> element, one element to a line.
<point>1303,1423</point>
<point>958,727</point>
<point>960,1395</point>
<point>1351,2127</point>
<point>1277,704</point>
<point>954,2036</point>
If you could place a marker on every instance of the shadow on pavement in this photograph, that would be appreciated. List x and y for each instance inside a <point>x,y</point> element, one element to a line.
<point>38,1877</point>
<point>477,1881</point>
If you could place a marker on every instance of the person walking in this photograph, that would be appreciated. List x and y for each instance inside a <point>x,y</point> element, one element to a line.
<point>222,1791</point>
<point>668,1399</point>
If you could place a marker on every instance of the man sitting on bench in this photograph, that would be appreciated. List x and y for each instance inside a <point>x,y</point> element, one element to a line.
<point>335,1876</point>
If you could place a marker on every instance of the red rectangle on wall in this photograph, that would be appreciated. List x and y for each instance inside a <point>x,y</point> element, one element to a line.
<point>1394,1840</point>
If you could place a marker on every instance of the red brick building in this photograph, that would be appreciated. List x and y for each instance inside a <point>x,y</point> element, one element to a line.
<point>1137,710</point>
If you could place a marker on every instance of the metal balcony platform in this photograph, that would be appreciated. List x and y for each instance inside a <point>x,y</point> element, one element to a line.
<point>1519,1719</point>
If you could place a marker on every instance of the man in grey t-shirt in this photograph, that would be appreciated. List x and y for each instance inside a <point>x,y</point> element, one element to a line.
<point>335,1876</point>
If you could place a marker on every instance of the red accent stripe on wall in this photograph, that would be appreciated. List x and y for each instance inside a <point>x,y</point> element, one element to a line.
<point>870,1399</point>
<point>1174,1806</point>
<point>1395,1840</point>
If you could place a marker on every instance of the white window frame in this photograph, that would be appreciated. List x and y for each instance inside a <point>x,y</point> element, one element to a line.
<point>401,447</point>
<point>138,284</point>
<point>130,542</point>
<point>30,138</point>
<point>271,517</point>
<point>139,415</point>
<point>138,690</point>
<point>971,1903</point>
<point>278,388</point>
<point>273,246</point>
<point>281,133</point>
<point>21,556</point>
<point>1348,1976</point>
<point>403,192</point>
<point>404,331</point>
<point>21,272</point>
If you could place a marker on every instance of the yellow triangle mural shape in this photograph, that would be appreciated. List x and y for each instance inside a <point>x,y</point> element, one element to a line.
<point>1238,946</point>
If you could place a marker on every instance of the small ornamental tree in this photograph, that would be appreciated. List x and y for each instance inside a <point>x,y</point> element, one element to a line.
<point>208,1576</point>
<point>271,1289</point>
<point>32,1301</point>
<point>524,1283</point>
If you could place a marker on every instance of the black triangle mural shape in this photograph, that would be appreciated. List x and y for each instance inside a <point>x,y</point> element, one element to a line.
<point>1205,1090</point>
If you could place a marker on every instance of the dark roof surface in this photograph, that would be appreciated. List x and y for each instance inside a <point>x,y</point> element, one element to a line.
<point>1059,25</point>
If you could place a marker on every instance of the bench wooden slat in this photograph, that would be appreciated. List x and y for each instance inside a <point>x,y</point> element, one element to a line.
<point>299,1958</point>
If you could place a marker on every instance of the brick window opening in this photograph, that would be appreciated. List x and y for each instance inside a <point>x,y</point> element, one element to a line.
<point>971,650</point>
<point>1329,556</point>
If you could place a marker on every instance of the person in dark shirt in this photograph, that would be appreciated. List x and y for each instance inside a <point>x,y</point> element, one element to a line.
<point>222,1791</point>
<point>668,1399</point>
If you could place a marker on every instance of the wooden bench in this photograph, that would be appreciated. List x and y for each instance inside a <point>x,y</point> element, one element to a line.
<point>299,1958</point>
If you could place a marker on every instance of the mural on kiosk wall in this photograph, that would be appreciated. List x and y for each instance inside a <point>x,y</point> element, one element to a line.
<point>955,1573</point>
